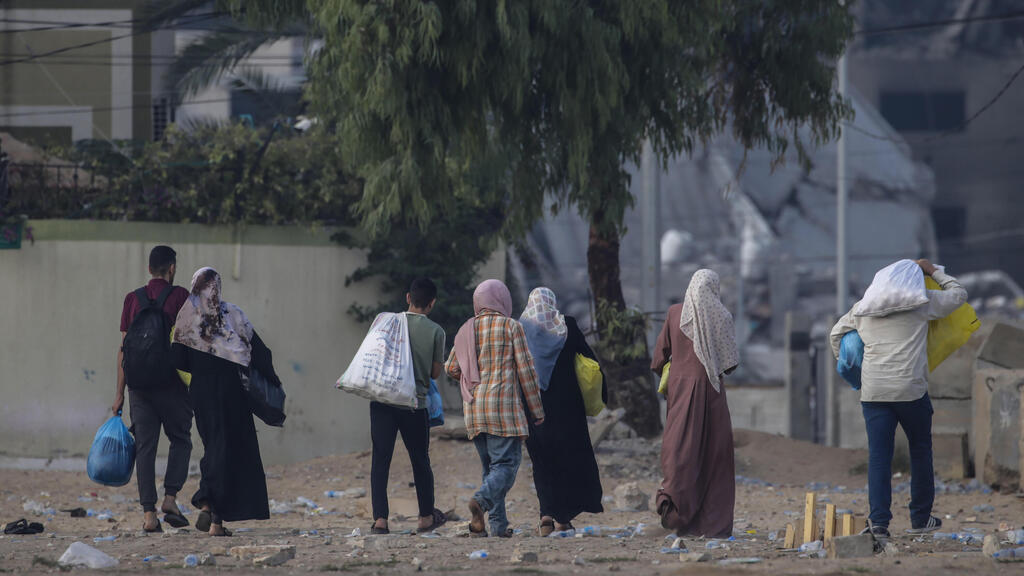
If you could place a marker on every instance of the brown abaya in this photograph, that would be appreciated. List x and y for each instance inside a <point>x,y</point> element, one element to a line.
<point>698,492</point>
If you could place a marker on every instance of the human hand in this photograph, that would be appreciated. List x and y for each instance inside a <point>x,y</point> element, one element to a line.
<point>118,404</point>
<point>927,267</point>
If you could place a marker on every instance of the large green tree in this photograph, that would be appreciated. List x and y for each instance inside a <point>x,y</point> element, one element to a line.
<point>556,97</point>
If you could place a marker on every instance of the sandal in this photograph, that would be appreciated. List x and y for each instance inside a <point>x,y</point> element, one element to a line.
<point>375,531</point>
<point>22,527</point>
<point>175,519</point>
<point>547,527</point>
<point>158,530</point>
<point>475,534</point>
<point>227,534</point>
<point>204,521</point>
<point>509,532</point>
<point>439,519</point>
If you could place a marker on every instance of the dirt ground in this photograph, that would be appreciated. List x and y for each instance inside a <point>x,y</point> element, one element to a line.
<point>773,475</point>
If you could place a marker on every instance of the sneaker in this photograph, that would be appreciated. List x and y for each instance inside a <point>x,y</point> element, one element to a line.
<point>879,533</point>
<point>932,525</point>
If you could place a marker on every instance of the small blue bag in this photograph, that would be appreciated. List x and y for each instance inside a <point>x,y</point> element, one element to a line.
<point>112,456</point>
<point>435,408</point>
<point>851,356</point>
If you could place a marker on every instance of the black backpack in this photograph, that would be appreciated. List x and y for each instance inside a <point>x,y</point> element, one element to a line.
<point>147,344</point>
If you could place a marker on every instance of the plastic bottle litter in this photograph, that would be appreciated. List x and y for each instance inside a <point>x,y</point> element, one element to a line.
<point>714,545</point>
<point>334,493</point>
<point>478,555</point>
<point>355,533</point>
<point>773,536</point>
<point>591,530</point>
<point>280,507</point>
<point>79,554</point>
<point>984,508</point>
<point>1015,537</point>
<point>110,538</point>
<point>306,502</point>
<point>812,546</point>
<point>152,559</point>
<point>191,561</point>
<point>964,537</point>
<point>563,534</point>
<point>1010,553</point>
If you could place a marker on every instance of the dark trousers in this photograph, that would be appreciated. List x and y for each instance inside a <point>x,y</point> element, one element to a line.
<point>385,424</point>
<point>151,409</point>
<point>915,418</point>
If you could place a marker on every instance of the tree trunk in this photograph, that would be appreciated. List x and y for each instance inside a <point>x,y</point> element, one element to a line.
<point>630,386</point>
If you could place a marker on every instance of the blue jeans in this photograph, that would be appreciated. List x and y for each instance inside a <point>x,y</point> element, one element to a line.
<point>500,458</point>
<point>881,419</point>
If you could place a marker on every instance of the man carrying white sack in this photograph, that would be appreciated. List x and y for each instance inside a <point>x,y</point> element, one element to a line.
<point>892,320</point>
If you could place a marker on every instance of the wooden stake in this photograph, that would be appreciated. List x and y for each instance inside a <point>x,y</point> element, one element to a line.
<point>848,525</point>
<point>790,542</point>
<point>810,532</point>
<point>830,521</point>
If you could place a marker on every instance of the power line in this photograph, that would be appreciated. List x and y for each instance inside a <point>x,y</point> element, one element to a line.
<point>130,23</point>
<point>940,23</point>
<point>90,110</point>
<point>73,47</point>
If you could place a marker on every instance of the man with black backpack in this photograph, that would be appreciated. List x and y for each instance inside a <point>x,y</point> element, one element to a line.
<point>158,397</point>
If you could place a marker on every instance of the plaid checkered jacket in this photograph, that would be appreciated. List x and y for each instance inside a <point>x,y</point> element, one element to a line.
<point>506,368</point>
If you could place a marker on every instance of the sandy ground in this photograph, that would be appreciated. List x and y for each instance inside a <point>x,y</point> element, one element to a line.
<point>775,473</point>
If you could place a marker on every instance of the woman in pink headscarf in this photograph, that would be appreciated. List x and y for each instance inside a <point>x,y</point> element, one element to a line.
<point>492,362</point>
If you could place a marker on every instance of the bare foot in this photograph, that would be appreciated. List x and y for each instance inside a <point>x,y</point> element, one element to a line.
<point>563,527</point>
<point>151,523</point>
<point>476,524</point>
<point>170,505</point>
<point>381,523</point>
<point>217,530</point>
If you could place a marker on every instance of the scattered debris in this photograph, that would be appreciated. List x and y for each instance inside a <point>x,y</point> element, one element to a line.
<point>521,557</point>
<point>990,547</point>
<point>478,555</point>
<point>695,557</point>
<point>270,555</point>
<point>629,497</point>
<point>79,554</point>
<point>860,546</point>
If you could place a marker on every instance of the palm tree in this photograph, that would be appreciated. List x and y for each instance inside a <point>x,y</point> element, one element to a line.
<point>220,54</point>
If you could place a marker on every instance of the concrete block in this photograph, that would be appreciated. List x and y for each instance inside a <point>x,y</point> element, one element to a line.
<point>996,428</point>
<point>951,415</point>
<point>797,376</point>
<point>860,546</point>
<point>951,455</point>
<point>1004,347</point>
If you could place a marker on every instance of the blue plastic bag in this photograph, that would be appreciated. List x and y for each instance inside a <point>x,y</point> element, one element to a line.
<point>435,408</point>
<point>851,356</point>
<point>112,456</point>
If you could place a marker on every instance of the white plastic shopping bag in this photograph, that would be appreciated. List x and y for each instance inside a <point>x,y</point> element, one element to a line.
<point>896,288</point>
<point>382,368</point>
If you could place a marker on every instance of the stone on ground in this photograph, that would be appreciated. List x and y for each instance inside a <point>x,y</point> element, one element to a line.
<point>990,546</point>
<point>629,497</point>
<point>264,555</point>
<point>695,557</point>
<point>860,546</point>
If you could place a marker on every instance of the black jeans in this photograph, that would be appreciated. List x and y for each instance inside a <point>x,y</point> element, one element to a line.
<point>915,418</point>
<point>151,409</point>
<point>385,424</point>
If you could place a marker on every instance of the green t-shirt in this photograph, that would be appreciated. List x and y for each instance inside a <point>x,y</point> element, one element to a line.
<point>426,339</point>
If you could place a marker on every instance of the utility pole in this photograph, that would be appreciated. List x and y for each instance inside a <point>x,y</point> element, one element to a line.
<point>651,245</point>
<point>842,283</point>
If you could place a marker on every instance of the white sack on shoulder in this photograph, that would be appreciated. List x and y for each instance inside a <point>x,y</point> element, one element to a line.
<point>382,368</point>
<point>896,288</point>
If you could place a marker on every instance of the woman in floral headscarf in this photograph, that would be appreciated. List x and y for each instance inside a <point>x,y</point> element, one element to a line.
<point>699,490</point>
<point>564,468</point>
<point>214,341</point>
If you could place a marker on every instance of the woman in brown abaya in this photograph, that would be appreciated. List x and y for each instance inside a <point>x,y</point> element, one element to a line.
<point>698,492</point>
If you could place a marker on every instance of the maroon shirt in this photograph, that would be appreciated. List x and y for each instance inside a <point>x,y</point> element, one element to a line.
<point>175,300</point>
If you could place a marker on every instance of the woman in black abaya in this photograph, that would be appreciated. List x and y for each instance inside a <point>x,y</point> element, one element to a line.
<point>214,341</point>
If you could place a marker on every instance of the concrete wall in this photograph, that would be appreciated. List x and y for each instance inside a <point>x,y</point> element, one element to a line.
<point>61,306</point>
<point>761,408</point>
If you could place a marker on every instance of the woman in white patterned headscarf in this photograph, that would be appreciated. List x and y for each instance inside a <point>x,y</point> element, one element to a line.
<point>564,467</point>
<point>699,491</point>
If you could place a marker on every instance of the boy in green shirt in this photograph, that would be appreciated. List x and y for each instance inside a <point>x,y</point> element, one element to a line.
<point>426,340</point>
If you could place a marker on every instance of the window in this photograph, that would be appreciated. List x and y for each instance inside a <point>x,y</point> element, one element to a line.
<point>163,115</point>
<point>923,111</point>
<point>264,106</point>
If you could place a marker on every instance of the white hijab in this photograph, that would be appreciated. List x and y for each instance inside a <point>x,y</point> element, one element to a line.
<point>706,321</point>
<point>207,324</point>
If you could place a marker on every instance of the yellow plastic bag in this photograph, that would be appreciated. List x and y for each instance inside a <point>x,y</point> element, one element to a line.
<point>948,334</point>
<point>588,374</point>
<point>186,377</point>
<point>663,386</point>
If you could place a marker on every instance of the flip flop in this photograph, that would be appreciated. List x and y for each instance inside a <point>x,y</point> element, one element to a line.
<point>379,531</point>
<point>439,519</point>
<point>227,534</point>
<point>203,521</point>
<point>175,519</point>
<point>158,530</point>
<point>475,534</point>
<point>547,527</point>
